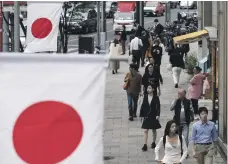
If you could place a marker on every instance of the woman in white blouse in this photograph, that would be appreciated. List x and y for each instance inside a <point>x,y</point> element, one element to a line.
<point>174,145</point>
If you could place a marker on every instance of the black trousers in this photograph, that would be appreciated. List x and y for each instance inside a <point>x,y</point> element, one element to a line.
<point>136,57</point>
<point>143,53</point>
<point>195,105</point>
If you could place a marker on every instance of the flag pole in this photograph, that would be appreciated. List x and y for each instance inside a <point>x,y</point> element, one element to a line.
<point>16,26</point>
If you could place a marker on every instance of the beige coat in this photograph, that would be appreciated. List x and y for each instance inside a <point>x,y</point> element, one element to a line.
<point>114,51</point>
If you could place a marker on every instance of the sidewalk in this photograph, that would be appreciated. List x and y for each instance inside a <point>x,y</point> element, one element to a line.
<point>123,139</point>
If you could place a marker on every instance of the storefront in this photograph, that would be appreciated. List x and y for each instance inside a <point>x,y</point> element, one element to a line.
<point>217,62</point>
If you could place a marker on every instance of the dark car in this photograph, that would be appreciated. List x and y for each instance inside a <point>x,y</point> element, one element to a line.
<point>110,8</point>
<point>174,4</point>
<point>83,21</point>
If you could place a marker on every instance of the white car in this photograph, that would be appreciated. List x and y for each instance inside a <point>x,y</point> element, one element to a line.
<point>124,18</point>
<point>188,4</point>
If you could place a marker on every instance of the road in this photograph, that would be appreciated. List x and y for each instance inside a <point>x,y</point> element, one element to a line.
<point>148,22</point>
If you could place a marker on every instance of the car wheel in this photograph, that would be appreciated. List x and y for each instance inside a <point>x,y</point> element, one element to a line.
<point>116,32</point>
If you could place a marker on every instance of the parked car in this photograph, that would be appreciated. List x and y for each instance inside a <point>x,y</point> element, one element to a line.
<point>83,21</point>
<point>154,8</point>
<point>111,8</point>
<point>188,4</point>
<point>124,18</point>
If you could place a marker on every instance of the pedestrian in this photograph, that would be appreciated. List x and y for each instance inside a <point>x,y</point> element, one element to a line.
<point>204,136</point>
<point>133,83</point>
<point>174,145</point>
<point>135,47</point>
<point>150,112</point>
<point>156,52</point>
<point>156,69</point>
<point>114,50</point>
<point>186,49</point>
<point>151,76</point>
<point>123,38</point>
<point>177,62</point>
<point>195,89</point>
<point>183,114</point>
<point>158,28</point>
<point>145,47</point>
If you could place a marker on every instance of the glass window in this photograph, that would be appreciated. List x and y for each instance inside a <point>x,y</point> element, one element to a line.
<point>125,16</point>
<point>151,4</point>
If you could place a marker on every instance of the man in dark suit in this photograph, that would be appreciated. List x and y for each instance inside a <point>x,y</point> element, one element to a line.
<point>158,28</point>
<point>123,39</point>
<point>156,52</point>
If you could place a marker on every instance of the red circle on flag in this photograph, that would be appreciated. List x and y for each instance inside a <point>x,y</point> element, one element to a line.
<point>47,132</point>
<point>41,28</point>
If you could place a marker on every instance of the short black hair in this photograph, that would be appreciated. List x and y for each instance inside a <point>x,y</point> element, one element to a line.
<point>133,65</point>
<point>156,20</point>
<point>202,109</point>
<point>198,68</point>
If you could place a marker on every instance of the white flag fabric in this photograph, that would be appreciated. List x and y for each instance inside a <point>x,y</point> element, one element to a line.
<point>42,26</point>
<point>52,109</point>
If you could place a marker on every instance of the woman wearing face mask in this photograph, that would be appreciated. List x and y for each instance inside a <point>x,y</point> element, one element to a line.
<point>150,112</point>
<point>174,145</point>
<point>153,77</point>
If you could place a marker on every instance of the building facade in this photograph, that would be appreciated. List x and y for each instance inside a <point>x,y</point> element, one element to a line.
<point>214,18</point>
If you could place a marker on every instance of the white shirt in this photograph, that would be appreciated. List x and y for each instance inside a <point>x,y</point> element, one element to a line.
<point>172,154</point>
<point>135,44</point>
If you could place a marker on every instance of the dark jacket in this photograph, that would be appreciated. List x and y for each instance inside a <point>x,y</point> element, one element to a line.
<point>156,52</point>
<point>155,105</point>
<point>176,58</point>
<point>187,108</point>
<point>145,40</point>
<point>124,35</point>
<point>158,29</point>
<point>186,48</point>
<point>157,70</point>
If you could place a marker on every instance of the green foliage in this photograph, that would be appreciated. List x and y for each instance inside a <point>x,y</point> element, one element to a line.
<point>191,62</point>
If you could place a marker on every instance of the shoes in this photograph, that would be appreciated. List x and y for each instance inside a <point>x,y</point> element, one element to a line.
<point>176,85</point>
<point>144,148</point>
<point>153,145</point>
<point>131,118</point>
<point>113,72</point>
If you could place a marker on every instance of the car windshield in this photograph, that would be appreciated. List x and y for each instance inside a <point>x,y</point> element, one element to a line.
<point>151,4</point>
<point>78,16</point>
<point>124,16</point>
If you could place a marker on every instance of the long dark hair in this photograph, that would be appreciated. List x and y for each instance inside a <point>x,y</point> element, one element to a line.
<point>147,68</point>
<point>167,129</point>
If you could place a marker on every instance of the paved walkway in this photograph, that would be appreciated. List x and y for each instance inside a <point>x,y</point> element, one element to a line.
<point>123,139</point>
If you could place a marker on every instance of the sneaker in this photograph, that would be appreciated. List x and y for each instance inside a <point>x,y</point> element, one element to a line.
<point>153,145</point>
<point>144,148</point>
<point>176,85</point>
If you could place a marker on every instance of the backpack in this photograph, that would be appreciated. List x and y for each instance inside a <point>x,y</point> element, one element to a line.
<point>181,140</point>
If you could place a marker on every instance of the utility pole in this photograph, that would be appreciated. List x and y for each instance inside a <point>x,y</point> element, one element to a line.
<point>141,13</point>
<point>103,22</point>
<point>98,23</point>
<point>187,7</point>
<point>1,21</point>
<point>167,12</point>
<point>137,12</point>
<point>16,26</point>
<point>5,35</point>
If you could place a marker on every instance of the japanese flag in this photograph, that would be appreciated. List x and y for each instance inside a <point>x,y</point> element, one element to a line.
<point>52,109</point>
<point>42,26</point>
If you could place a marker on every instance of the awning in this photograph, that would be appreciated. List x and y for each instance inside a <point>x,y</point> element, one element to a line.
<point>191,37</point>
